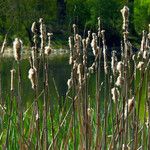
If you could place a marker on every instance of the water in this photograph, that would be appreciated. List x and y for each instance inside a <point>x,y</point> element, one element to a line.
<point>58,71</point>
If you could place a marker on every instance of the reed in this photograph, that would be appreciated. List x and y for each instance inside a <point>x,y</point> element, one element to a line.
<point>116,117</point>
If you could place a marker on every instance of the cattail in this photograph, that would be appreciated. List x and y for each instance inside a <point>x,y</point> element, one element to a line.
<point>149,32</point>
<point>94,44</point>
<point>88,38</point>
<point>43,33</point>
<point>32,76</point>
<point>115,94</point>
<point>48,50</point>
<point>78,43</point>
<point>12,79</point>
<point>74,28</point>
<point>120,67</point>
<point>99,26</point>
<point>140,55</point>
<point>120,80</point>
<point>145,54</point>
<point>125,15</point>
<point>113,62</point>
<point>92,68</point>
<point>104,52</point>
<point>90,112</point>
<point>125,147</point>
<point>140,65</point>
<point>33,54</point>
<point>69,83</point>
<point>129,107</point>
<point>34,28</point>
<point>71,48</point>
<point>4,45</point>
<point>80,72</point>
<point>17,48</point>
<point>143,42</point>
<point>49,38</point>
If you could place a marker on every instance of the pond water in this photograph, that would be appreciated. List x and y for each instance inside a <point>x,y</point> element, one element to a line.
<point>58,71</point>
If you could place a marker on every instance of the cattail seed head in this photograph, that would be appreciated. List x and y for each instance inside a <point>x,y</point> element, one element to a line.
<point>69,83</point>
<point>120,67</point>
<point>125,15</point>
<point>32,77</point>
<point>90,112</point>
<point>120,80</point>
<point>113,62</point>
<point>143,42</point>
<point>129,107</point>
<point>140,65</point>
<point>12,79</point>
<point>145,54</point>
<point>34,28</point>
<point>17,48</point>
<point>48,50</point>
<point>115,94</point>
<point>94,44</point>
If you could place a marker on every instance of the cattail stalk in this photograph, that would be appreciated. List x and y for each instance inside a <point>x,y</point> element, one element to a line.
<point>98,76</point>
<point>11,108</point>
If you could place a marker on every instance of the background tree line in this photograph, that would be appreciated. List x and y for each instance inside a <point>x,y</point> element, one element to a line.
<point>17,16</point>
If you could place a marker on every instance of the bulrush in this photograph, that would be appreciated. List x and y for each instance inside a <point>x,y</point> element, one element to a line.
<point>94,44</point>
<point>120,80</point>
<point>80,72</point>
<point>140,65</point>
<point>34,28</point>
<point>71,48</point>
<point>145,54</point>
<point>47,50</point>
<point>90,112</point>
<point>78,43</point>
<point>92,68</point>
<point>32,77</point>
<point>88,39</point>
<point>69,83</point>
<point>143,42</point>
<point>17,48</point>
<point>113,62</point>
<point>12,79</point>
<point>120,67</point>
<point>115,94</point>
<point>104,52</point>
<point>43,33</point>
<point>129,107</point>
<point>125,15</point>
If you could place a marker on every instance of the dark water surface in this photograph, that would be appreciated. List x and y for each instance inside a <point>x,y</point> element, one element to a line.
<point>58,71</point>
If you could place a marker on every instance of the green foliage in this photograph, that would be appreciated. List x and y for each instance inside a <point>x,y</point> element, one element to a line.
<point>141,14</point>
<point>16,17</point>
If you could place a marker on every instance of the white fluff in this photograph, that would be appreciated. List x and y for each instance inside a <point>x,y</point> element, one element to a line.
<point>32,77</point>
<point>17,48</point>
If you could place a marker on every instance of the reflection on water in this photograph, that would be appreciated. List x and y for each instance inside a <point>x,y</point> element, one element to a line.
<point>58,70</point>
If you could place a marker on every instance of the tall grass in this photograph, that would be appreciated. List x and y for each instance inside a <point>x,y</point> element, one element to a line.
<point>118,117</point>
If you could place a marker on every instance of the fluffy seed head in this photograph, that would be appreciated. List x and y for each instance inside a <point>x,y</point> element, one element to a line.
<point>69,83</point>
<point>129,107</point>
<point>48,50</point>
<point>33,27</point>
<point>32,77</point>
<point>120,80</point>
<point>17,47</point>
<point>140,65</point>
<point>115,94</point>
<point>120,66</point>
